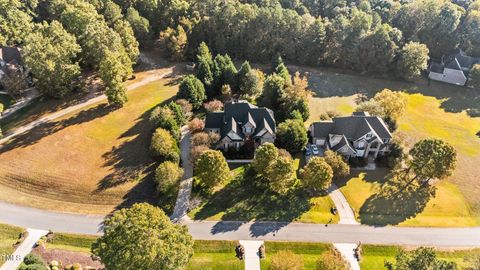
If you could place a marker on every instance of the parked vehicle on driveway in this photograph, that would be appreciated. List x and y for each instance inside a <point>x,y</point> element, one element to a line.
<point>314,149</point>
<point>308,152</point>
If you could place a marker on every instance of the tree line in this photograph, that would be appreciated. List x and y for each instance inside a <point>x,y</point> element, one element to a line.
<point>377,36</point>
<point>60,39</point>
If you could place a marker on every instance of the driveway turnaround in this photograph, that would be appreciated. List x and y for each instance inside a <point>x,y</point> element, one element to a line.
<point>23,249</point>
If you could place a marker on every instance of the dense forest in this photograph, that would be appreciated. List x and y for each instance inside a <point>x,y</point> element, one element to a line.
<point>62,38</point>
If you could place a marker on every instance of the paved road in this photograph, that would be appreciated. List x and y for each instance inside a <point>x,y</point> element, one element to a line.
<point>23,249</point>
<point>210,230</point>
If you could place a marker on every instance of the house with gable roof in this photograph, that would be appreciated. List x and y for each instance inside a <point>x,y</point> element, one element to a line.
<point>241,122</point>
<point>358,135</point>
<point>453,68</point>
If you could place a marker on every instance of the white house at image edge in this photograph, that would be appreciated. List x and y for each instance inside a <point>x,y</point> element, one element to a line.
<point>241,122</point>
<point>358,135</point>
<point>453,68</point>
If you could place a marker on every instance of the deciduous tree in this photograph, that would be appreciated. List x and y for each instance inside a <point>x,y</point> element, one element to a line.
<point>317,174</point>
<point>50,54</point>
<point>331,260</point>
<point>167,178</point>
<point>339,167</point>
<point>292,135</point>
<point>143,237</point>
<point>286,260</point>
<point>420,258</point>
<point>211,168</point>
<point>164,146</point>
<point>413,59</point>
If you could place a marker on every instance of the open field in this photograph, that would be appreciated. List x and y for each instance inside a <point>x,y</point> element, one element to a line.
<point>437,110</point>
<point>8,237</point>
<point>90,161</point>
<point>241,200</point>
<point>374,256</point>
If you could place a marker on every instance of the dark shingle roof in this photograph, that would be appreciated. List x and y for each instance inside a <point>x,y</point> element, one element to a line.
<point>214,120</point>
<point>436,67</point>
<point>237,114</point>
<point>322,129</point>
<point>341,144</point>
<point>353,127</point>
<point>453,64</point>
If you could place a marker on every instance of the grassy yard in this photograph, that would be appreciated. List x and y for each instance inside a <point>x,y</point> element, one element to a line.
<point>8,237</point>
<point>90,161</point>
<point>437,110</point>
<point>215,255</point>
<point>310,252</point>
<point>374,256</point>
<point>241,200</point>
<point>71,242</point>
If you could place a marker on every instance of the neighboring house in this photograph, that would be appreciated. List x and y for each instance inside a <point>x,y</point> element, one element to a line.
<point>358,135</point>
<point>453,68</point>
<point>241,122</point>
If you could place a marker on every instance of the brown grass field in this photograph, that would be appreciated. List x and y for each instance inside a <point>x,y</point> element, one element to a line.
<point>90,161</point>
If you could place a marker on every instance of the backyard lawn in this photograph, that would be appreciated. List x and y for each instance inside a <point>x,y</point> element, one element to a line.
<point>436,110</point>
<point>240,200</point>
<point>8,237</point>
<point>90,161</point>
<point>374,256</point>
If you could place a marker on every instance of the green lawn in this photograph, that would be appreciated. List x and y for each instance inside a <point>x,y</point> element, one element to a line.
<point>241,200</point>
<point>9,235</point>
<point>71,242</point>
<point>447,209</point>
<point>215,255</point>
<point>374,256</point>
<point>310,252</point>
<point>437,110</point>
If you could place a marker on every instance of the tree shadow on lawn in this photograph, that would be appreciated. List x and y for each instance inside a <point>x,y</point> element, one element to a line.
<point>332,82</point>
<point>386,208</point>
<point>131,162</point>
<point>45,129</point>
<point>242,201</point>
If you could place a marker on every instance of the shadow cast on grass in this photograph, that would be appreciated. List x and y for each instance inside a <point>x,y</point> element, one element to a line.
<point>328,83</point>
<point>131,162</point>
<point>43,130</point>
<point>242,201</point>
<point>386,208</point>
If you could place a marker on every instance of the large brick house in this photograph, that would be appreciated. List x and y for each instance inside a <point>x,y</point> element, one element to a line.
<point>358,135</point>
<point>241,122</point>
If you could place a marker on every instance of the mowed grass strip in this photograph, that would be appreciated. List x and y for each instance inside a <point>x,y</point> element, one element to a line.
<point>215,255</point>
<point>9,235</point>
<point>71,242</point>
<point>310,252</point>
<point>89,161</point>
<point>374,256</point>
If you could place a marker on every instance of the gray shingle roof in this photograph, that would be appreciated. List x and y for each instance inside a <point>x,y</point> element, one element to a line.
<point>236,114</point>
<point>352,127</point>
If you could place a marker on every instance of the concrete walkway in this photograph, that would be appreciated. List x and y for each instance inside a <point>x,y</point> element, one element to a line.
<point>347,251</point>
<point>24,249</point>
<point>251,257</point>
<point>345,212</point>
<point>185,190</point>
<point>89,101</point>
<point>347,216</point>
